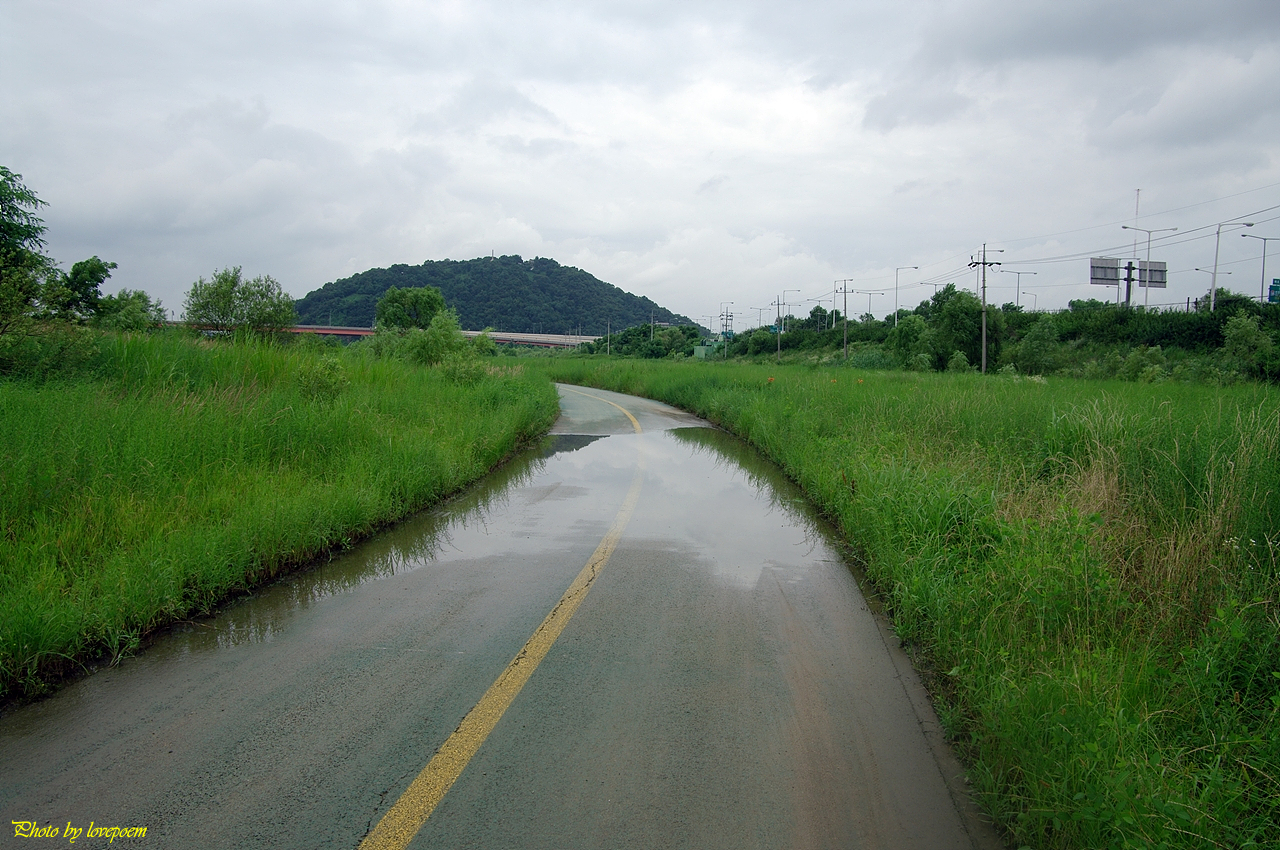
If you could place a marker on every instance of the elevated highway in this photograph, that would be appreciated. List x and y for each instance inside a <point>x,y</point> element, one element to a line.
<point>543,340</point>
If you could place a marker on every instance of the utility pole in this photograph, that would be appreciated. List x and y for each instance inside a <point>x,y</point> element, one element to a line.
<point>782,302</point>
<point>895,292</point>
<point>608,336</point>
<point>1018,285</point>
<point>726,318</point>
<point>726,326</point>
<point>982,264</point>
<point>845,290</point>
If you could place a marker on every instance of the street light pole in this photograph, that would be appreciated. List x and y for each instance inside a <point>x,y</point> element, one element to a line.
<point>1262,290</point>
<point>1217,242</point>
<point>785,303</point>
<point>867,293</point>
<point>895,292</point>
<point>1146,297</point>
<point>1017,286</point>
<point>1209,271</point>
<point>1034,300</point>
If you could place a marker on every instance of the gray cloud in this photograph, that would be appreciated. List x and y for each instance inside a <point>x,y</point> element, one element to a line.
<point>922,102</point>
<point>694,152</point>
<point>993,32</point>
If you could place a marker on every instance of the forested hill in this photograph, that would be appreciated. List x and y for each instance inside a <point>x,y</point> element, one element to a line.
<point>505,293</point>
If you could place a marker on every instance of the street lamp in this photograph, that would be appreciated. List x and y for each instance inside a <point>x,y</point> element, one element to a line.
<point>820,299</point>
<point>1034,299</point>
<point>1017,286</point>
<point>868,294</point>
<point>1146,297</point>
<point>1212,272</point>
<point>895,293</point>
<point>1265,239</point>
<point>1217,241</point>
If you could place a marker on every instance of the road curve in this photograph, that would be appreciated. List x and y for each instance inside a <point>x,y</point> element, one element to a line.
<point>719,681</point>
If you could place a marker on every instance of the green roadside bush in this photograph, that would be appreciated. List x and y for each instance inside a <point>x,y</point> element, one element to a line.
<point>172,471</point>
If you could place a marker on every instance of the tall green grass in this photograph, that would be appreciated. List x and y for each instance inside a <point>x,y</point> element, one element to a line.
<point>1087,571</point>
<point>184,471</point>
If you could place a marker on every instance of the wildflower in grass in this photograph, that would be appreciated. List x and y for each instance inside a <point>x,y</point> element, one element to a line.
<point>771,380</point>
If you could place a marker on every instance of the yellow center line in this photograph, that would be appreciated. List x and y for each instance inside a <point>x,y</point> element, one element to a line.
<point>625,412</point>
<point>403,820</point>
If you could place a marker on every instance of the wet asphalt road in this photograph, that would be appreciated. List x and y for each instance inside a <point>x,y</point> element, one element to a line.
<point>722,685</point>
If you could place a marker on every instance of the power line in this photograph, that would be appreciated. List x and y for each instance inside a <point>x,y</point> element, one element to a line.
<point>1148,215</point>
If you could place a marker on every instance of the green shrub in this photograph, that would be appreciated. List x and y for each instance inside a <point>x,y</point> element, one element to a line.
<point>184,470</point>
<point>322,379</point>
<point>958,363</point>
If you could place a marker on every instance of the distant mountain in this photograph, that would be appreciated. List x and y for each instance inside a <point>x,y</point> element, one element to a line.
<point>505,293</point>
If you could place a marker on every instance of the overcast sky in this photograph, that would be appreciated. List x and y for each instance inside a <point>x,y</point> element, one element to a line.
<point>693,152</point>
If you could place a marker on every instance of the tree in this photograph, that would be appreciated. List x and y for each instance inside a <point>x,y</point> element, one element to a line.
<point>25,271</point>
<point>411,307</point>
<point>909,338</point>
<point>761,342</point>
<point>128,311</point>
<point>408,307</point>
<point>1037,353</point>
<point>1246,345</point>
<point>84,285</point>
<point>228,303</point>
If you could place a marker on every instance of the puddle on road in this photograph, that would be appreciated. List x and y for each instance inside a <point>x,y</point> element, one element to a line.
<point>711,468</point>
<point>730,507</point>
<point>566,480</point>
<point>408,545</point>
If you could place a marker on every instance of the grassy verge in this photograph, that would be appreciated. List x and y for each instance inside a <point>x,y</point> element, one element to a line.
<point>1093,565</point>
<point>181,472</point>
